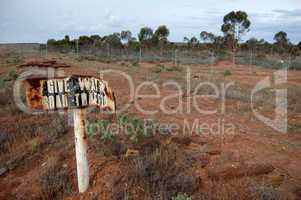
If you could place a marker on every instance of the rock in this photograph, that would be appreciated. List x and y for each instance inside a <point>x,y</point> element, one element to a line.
<point>131,153</point>
<point>259,169</point>
<point>275,180</point>
<point>3,170</point>
<point>236,170</point>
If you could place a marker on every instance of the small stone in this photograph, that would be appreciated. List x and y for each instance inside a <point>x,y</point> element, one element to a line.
<point>275,180</point>
<point>3,170</point>
<point>131,153</point>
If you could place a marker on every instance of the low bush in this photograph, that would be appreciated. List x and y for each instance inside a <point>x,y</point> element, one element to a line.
<point>245,188</point>
<point>182,197</point>
<point>12,75</point>
<point>130,126</point>
<point>227,73</point>
<point>54,180</point>
<point>162,173</point>
<point>135,63</point>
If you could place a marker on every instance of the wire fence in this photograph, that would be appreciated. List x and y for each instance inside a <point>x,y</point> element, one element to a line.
<point>14,53</point>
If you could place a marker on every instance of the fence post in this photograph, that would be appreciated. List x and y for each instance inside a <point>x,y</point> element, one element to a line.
<point>175,54</point>
<point>81,147</point>
<point>77,47</point>
<point>251,59</point>
<point>46,50</point>
<point>108,50</point>
<point>212,60</point>
<point>140,55</point>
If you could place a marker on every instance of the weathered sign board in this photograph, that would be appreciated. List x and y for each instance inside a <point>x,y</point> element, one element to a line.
<point>76,93</point>
<point>68,93</point>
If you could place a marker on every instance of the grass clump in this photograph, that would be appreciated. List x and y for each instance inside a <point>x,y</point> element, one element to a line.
<point>131,126</point>
<point>102,128</point>
<point>162,68</point>
<point>182,197</point>
<point>227,73</point>
<point>162,173</point>
<point>11,76</point>
<point>2,83</point>
<point>135,63</point>
<point>54,180</point>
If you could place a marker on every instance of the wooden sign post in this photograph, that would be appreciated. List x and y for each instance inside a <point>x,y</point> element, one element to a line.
<point>77,93</point>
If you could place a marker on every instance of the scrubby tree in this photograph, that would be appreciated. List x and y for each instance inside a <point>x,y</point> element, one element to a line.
<point>294,51</point>
<point>234,25</point>
<point>192,42</point>
<point>113,40</point>
<point>252,43</point>
<point>134,44</point>
<point>66,40</point>
<point>281,37</point>
<point>299,45</point>
<point>145,35</point>
<point>162,33</point>
<point>281,41</point>
<point>207,37</point>
<point>218,42</point>
<point>51,42</point>
<point>96,40</point>
<point>84,40</point>
<point>126,36</point>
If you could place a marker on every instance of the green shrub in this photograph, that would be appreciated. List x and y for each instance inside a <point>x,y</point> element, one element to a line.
<point>13,59</point>
<point>2,82</point>
<point>105,131</point>
<point>173,69</point>
<point>135,63</point>
<point>131,126</point>
<point>164,166</point>
<point>54,180</point>
<point>159,68</point>
<point>227,73</point>
<point>12,75</point>
<point>182,197</point>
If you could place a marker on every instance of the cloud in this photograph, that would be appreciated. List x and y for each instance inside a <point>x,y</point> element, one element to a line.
<point>54,19</point>
<point>113,21</point>
<point>267,24</point>
<point>288,13</point>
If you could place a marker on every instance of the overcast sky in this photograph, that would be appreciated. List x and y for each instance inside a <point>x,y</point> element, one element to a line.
<point>38,20</point>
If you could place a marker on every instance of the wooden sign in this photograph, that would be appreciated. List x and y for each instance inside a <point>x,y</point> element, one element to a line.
<point>76,93</point>
<point>68,93</point>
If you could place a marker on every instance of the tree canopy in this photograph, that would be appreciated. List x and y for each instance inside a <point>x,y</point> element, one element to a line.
<point>145,34</point>
<point>281,38</point>
<point>235,24</point>
<point>207,37</point>
<point>126,36</point>
<point>162,33</point>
